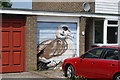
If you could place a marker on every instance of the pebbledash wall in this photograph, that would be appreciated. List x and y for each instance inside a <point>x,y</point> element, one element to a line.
<point>31,48</point>
<point>62,6</point>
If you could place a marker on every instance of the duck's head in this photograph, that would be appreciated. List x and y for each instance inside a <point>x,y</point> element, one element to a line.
<point>64,32</point>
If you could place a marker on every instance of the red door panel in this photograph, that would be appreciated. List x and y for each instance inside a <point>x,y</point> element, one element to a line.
<point>13,54</point>
<point>5,58</point>
<point>6,39</point>
<point>17,39</point>
<point>16,58</point>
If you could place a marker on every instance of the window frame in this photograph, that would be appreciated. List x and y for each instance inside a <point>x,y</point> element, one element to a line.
<point>94,31</point>
<point>105,26</point>
<point>108,35</point>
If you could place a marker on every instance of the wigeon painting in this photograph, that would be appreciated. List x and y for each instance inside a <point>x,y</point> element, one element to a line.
<point>58,48</point>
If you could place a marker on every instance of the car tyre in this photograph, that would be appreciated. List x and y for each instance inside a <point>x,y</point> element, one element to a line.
<point>70,72</point>
<point>117,77</point>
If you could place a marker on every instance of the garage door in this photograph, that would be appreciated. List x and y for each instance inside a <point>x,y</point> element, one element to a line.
<point>56,41</point>
<point>13,55</point>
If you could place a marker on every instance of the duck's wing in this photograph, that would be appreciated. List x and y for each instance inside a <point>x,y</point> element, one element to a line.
<point>61,47</point>
<point>56,48</point>
<point>43,45</point>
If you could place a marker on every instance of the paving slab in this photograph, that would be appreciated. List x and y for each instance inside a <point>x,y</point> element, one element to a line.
<point>21,75</point>
<point>50,73</point>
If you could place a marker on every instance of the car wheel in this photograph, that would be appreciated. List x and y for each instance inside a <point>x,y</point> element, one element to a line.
<point>70,72</point>
<point>117,77</point>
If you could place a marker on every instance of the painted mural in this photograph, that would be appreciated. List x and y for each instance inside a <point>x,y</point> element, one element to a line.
<point>56,42</point>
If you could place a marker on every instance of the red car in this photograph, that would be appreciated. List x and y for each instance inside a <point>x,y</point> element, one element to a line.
<point>100,63</point>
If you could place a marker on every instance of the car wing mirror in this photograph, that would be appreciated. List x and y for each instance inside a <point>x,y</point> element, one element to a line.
<point>81,57</point>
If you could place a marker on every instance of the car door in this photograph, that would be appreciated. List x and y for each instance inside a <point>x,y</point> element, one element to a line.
<point>105,67</point>
<point>87,62</point>
<point>111,61</point>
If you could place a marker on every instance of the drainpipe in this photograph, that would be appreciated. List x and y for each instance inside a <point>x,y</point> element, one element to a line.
<point>118,24</point>
<point>118,31</point>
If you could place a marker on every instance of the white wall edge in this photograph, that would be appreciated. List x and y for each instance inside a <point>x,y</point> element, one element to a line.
<point>61,14</point>
<point>57,19</point>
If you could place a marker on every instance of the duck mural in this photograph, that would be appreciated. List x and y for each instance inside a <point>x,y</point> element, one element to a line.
<point>54,51</point>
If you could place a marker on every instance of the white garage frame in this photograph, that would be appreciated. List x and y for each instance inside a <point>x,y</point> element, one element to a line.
<point>63,19</point>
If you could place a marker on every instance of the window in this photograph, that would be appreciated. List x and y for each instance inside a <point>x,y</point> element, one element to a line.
<point>105,32</point>
<point>112,32</point>
<point>112,22</point>
<point>112,54</point>
<point>95,53</point>
<point>99,31</point>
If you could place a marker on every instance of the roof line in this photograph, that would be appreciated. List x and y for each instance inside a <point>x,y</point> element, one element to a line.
<point>33,10</point>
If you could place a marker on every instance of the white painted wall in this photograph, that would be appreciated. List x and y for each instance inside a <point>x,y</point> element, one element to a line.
<point>107,6</point>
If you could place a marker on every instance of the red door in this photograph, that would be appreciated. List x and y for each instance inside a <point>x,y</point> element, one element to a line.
<point>13,45</point>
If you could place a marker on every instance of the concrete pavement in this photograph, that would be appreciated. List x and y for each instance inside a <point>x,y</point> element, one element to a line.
<point>34,75</point>
<point>21,75</point>
<point>50,73</point>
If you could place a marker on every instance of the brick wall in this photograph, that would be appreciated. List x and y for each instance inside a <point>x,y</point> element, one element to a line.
<point>31,49</point>
<point>61,6</point>
<point>86,41</point>
<point>89,34</point>
<point>82,37</point>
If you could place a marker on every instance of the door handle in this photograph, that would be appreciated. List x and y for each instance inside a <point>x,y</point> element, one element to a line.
<point>93,63</point>
<point>112,64</point>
